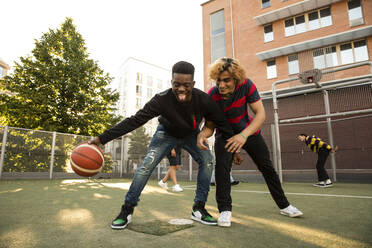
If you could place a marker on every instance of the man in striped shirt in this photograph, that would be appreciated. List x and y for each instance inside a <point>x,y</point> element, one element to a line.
<point>323,149</point>
<point>234,93</point>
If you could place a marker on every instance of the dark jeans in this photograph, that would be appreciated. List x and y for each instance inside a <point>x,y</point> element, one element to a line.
<point>257,149</point>
<point>320,164</point>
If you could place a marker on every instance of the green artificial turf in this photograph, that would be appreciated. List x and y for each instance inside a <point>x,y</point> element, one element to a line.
<point>78,213</point>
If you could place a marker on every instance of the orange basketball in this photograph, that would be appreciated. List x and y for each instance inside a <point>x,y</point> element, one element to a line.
<point>87,160</point>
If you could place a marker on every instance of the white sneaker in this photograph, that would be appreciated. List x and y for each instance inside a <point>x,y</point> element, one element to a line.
<point>291,211</point>
<point>163,184</point>
<point>177,188</point>
<point>329,183</point>
<point>224,219</point>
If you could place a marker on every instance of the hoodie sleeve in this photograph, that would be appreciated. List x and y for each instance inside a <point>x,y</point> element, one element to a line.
<point>149,111</point>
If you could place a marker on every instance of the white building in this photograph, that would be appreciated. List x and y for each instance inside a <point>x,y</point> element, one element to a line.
<point>138,82</point>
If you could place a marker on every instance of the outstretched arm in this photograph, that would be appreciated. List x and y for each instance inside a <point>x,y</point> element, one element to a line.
<point>334,149</point>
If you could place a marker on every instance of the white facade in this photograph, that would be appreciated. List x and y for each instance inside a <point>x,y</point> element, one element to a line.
<point>138,82</point>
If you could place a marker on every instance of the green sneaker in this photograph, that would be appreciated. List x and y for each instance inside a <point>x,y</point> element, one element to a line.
<point>199,213</point>
<point>123,219</point>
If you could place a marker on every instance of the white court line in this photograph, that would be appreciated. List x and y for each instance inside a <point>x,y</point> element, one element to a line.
<point>307,194</point>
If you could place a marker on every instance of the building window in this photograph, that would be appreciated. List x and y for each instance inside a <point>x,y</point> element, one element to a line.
<point>265,3</point>
<point>314,22</point>
<point>360,50</point>
<point>307,22</point>
<point>138,90</point>
<point>354,52</point>
<point>138,102</point>
<point>218,42</point>
<point>271,69</point>
<point>325,17</point>
<point>149,80</point>
<point>139,77</point>
<point>289,27</point>
<point>160,84</point>
<point>346,53</point>
<point>149,93</point>
<point>300,24</point>
<point>293,66</point>
<point>325,57</point>
<point>318,58</point>
<point>355,13</point>
<point>269,34</point>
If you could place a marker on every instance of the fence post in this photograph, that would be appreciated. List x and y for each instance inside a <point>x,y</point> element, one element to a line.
<point>122,163</point>
<point>3,147</point>
<point>52,155</point>
<point>190,168</point>
<point>330,133</point>
<point>273,141</point>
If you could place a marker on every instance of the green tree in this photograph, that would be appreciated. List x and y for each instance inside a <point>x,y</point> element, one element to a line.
<point>139,141</point>
<point>59,88</point>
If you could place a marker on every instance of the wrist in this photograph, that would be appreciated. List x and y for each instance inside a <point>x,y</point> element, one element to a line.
<point>242,135</point>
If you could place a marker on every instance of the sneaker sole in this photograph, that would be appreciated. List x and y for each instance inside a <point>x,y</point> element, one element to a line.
<point>163,187</point>
<point>204,222</point>
<point>122,227</point>
<point>119,227</point>
<point>292,215</point>
<point>224,224</point>
<point>322,186</point>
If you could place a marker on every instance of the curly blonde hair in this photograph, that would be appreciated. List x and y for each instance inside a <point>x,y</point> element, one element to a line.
<point>230,65</point>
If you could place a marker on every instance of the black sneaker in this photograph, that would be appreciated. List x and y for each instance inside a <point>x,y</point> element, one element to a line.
<point>199,213</point>
<point>234,182</point>
<point>323,184</point>
<point>124,218</point>
<point>213,184</point>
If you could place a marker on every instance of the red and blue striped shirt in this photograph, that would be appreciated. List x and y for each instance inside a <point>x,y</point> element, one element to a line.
<point>236,107</point>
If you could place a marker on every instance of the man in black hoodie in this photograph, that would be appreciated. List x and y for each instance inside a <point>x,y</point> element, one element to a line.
<point>181,110</point>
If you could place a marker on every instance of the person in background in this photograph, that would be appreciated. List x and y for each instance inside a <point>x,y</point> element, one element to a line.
<point>174,158</point>
<point>322,149</point>
<point>232,180</point>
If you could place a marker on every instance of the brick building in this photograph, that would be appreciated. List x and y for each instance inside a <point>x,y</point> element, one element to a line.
<point>278,39</point>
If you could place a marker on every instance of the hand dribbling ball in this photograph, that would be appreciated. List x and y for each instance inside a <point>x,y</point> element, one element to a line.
<point>87,160</point>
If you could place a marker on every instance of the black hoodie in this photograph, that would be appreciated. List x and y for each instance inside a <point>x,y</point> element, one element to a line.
<point>179,119</point>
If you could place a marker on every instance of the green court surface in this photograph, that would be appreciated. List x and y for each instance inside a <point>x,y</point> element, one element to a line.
<point>78,213</point>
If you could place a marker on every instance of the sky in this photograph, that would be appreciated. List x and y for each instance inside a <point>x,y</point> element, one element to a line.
<point>160,32</point>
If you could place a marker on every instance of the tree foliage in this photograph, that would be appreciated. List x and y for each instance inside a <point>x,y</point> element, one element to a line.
<point>58,88</point>
<point>139,142</point>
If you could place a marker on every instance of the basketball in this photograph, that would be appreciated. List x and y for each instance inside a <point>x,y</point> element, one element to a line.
<point>87,160</point>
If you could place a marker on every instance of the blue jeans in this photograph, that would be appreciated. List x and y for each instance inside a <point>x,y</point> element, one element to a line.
<point>161,144</point>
